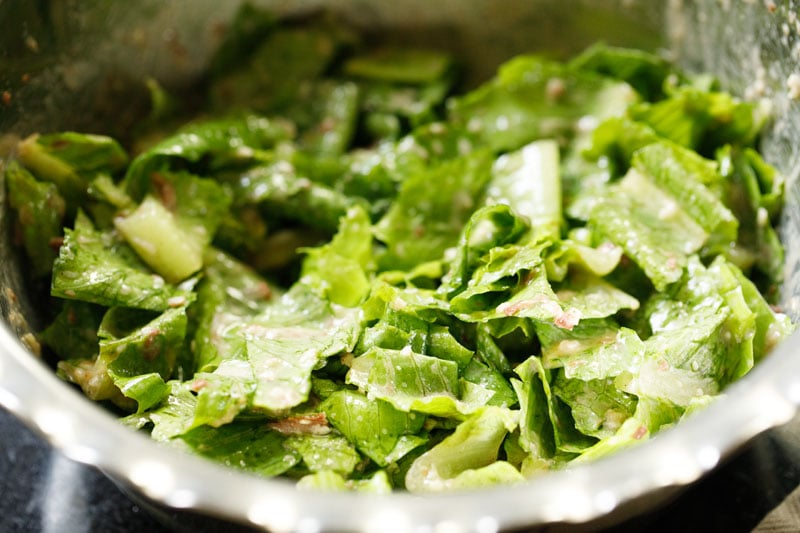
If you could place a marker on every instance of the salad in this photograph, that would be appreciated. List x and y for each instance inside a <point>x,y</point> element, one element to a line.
<point>347,269</point>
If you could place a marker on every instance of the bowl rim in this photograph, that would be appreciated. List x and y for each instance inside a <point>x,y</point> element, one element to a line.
<point>85,432</point>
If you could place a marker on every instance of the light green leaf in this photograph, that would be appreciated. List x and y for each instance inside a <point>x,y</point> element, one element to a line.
<point>375,427</point>
<point>473,446</point>
<point>97,267</point>
<point>325,452</point>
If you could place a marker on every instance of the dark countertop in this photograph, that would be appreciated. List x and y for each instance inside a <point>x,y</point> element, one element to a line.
<point>41,491</point>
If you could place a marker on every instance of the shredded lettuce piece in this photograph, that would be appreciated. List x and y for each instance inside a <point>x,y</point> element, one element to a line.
<point>651,227</point>
<point>379,430</point>
<point>532,98</point>
<point>71,160</point>
<point>414,382</point>
<point>40,210</point>
<point>288,341</point>
<point>419,226</point>
<point>96,267</point>
<point>529,182</point>
<point>468,457</point>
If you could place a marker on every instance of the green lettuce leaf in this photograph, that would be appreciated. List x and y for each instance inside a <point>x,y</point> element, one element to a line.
<point>73,332</point>
<point>754,188</point>
<point>594,349</point>
<point>413,382</point>
<point>576,254</point>
<point>650,416</point>
<point>650,226</point>
<point>97,267</point>
<point>228,292</point>
<point>616,139</point>
<point>419,226</point>
<point>686,178</point>
<point>468,457</point>
<point>146,389</point>
<point>531,98</point>
<point>40,211</point>
<point>547,431</point>
<point>334,107</point>
<point>219,138</point>
<point>286,58</point>
<point>279,188</point>
<point>487,228</point>
<point>158,239</point>
<point>702,339</point>
<point>289,340</point>
<point>140,353</point>
<point>497,274</point>
<point>331,481</point>
<point>411,66</point>
<point>592,297</point>
<point>136,355</point>
<point>243,445</point>
<point>598,407</point>
<point>484,376</point>
<point>644,71</point>
<point>702,120</point>
<point>325,452</point>
<point>375,427</point>
<point>528,180</point>
<point>71,160</point>
<point>340,268</point>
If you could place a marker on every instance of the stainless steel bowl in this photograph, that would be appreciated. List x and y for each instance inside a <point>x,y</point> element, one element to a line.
<point>70,64</point>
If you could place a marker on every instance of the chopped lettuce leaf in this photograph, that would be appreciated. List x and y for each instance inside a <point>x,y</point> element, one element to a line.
<point>702,120</point>
<point>288,341</point>
<point>420,226</point>
<point>340,268</point>
<point>213,138</point>
<point>529,182</point>
<point>644,71</point>
<point>592,297</point>
<point>598,407</point>
<point>248,446</point>
<point>753,189</point>
<point>573,254</point>
<point>40,212</point>
<point>336,110</point>
<point>412,382</point>
<point>280,189</point>
<point>470,451</point>
<point>97,267</point>
<point>487,378</point>
<point>153,232</point>
<point>228,292</point>
<point>324,452</point>
<point>487,228</point>
<point>594,349</point>
<point>652,228</point>
<point>531,98</point>
<point>375,427</point>
<point>684,176</point>
<point>73,332</point>
<point>286,58</point>
<point>146,389</point>
<point>71,160</point>
<point>400,65</point>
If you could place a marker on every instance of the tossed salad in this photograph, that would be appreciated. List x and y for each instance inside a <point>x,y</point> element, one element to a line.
<point>347,270</point>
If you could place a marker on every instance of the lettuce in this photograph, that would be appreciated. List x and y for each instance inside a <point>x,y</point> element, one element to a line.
<point>361,281</point>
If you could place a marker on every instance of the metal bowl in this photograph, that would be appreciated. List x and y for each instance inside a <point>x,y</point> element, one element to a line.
<point>79,65</point>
